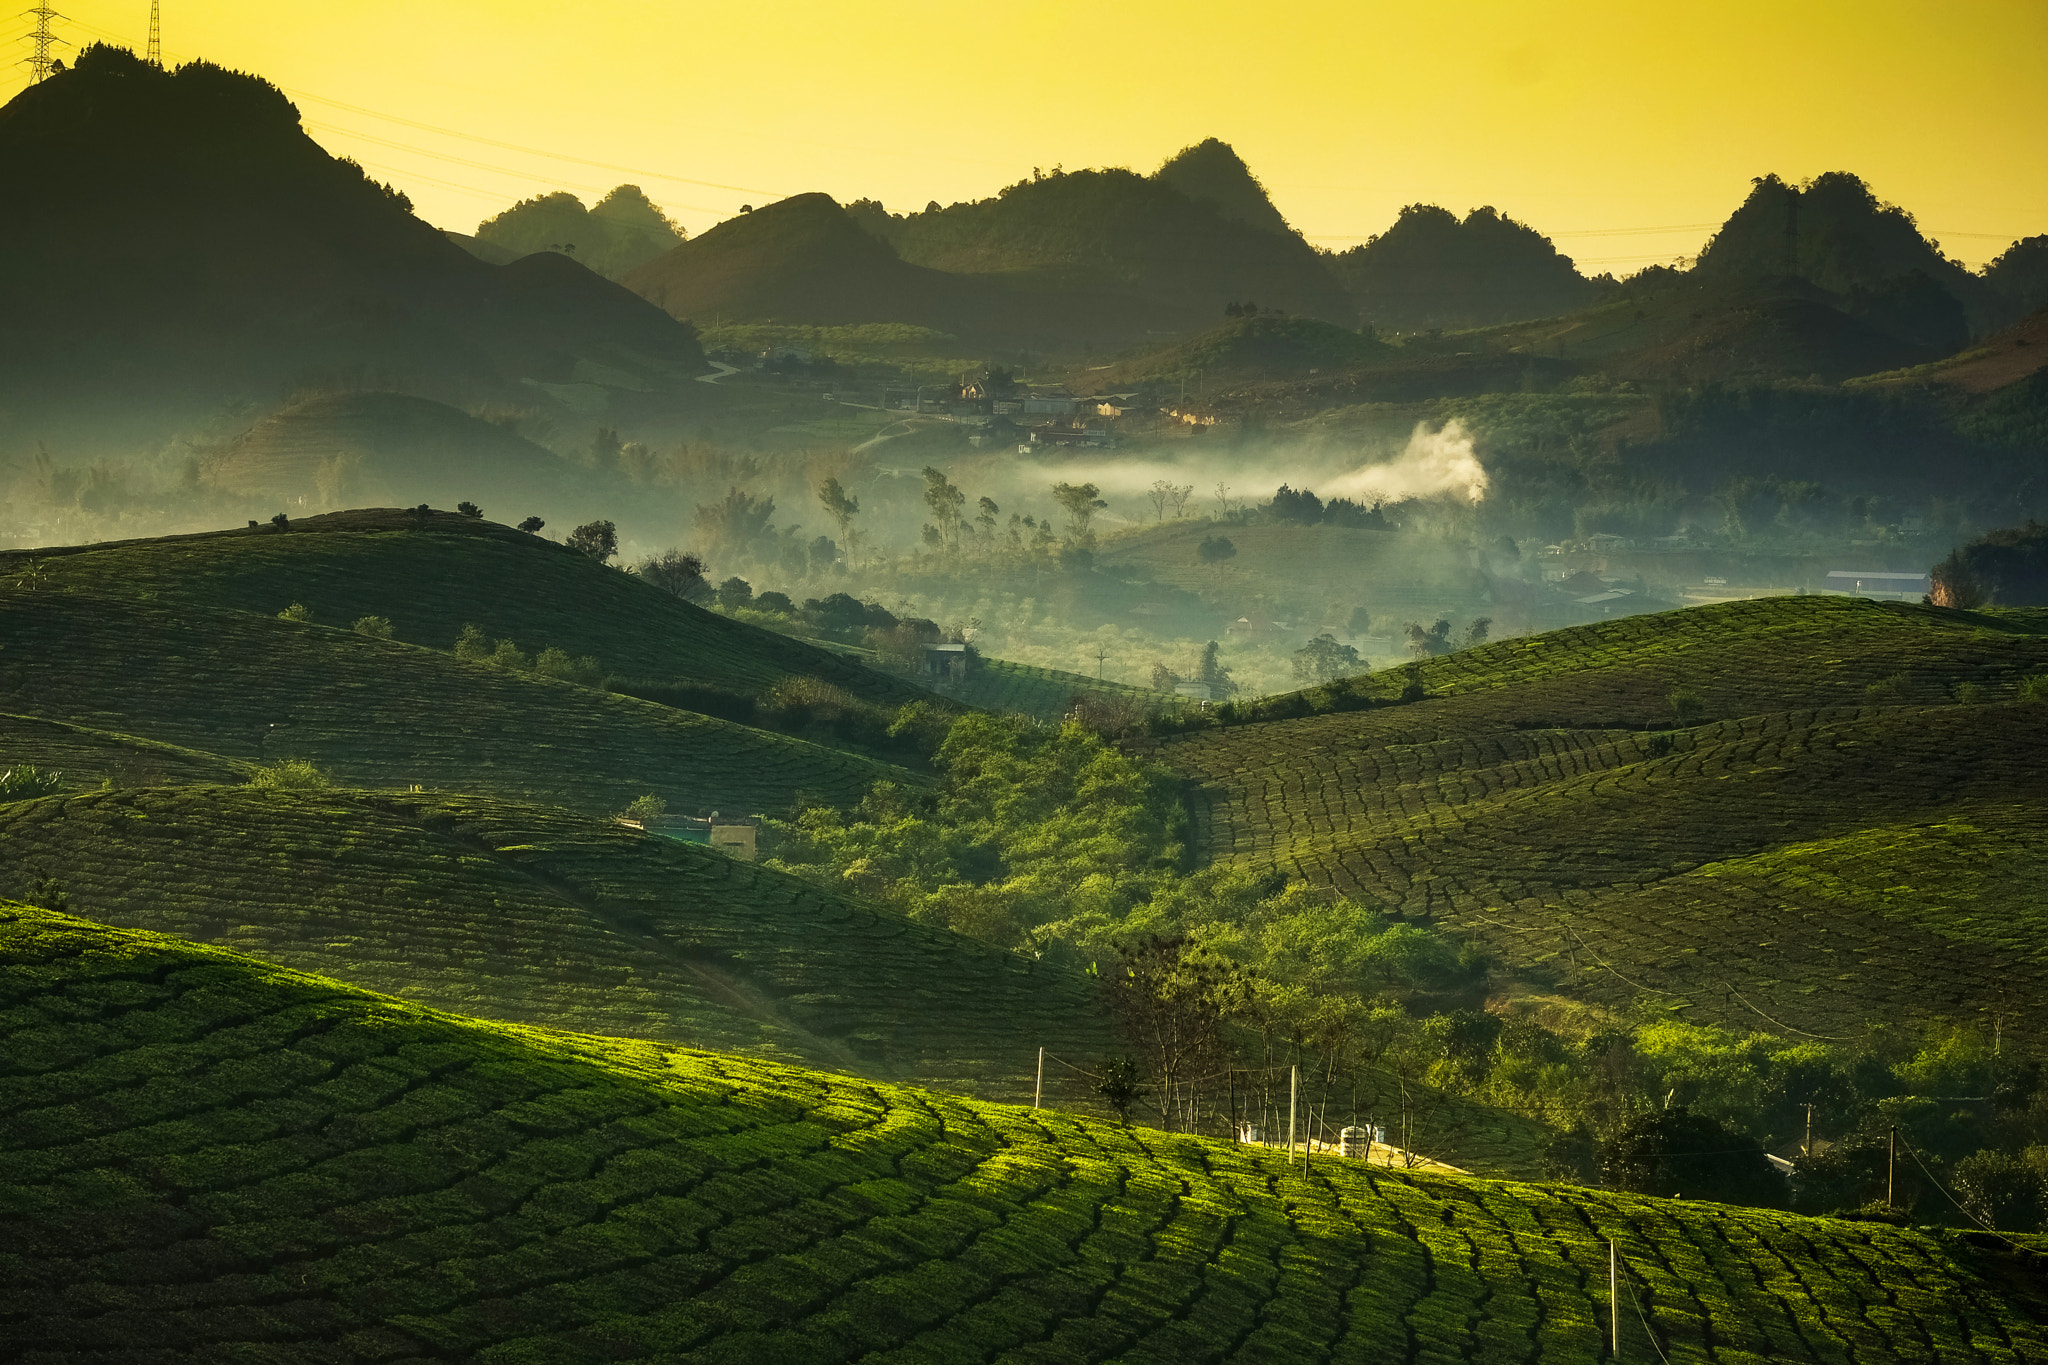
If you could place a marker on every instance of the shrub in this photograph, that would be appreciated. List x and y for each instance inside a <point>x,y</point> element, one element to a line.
<point>376,627</point>
<point>298,612</point>
<point>1970,694</point>
<point>1119,1086</point>
<point>470,509</point>
<point>289,774</point>
<point>1886,691</point>
<point>473,644</point>
<point>1687,706</point>
<point>2034,688</point>
<point>507,655</point>
<point>777,602</point>
<point>532,525</point>
<point>27,782</point>
<point>281,522</point>
<point>648,807</point>
<point>735,593</point>
<point>676,572</point>
<point>556,663</point>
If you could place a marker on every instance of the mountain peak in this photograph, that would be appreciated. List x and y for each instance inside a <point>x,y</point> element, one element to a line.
<point>1212,172</point>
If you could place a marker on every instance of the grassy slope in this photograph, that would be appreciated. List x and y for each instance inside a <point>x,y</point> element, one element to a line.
<point>430,583</point>
<point>530,915</point>
<point>1043,693</point>
<point>382,714</point>
<point>1811,863</point>
<point>209,1158</point>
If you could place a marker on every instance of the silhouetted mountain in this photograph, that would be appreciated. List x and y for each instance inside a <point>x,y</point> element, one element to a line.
<point>2018,279</point>
<point>621,231</point>
<point>1169,250</point>
<point>1429,270</point>
<point>186,242</point>
<point>1833,233</point>
<point>1211,172</point>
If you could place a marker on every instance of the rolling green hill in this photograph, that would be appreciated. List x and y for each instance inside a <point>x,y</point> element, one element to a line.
<point>377,713</point>
<point>1041,693</point>
<point>1818,858</point>
<point>206,1158</point>
<point>531,915</point>
<point>430,579</point>
<point>89,757</point>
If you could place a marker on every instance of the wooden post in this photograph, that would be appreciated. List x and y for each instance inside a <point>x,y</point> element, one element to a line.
<point>1038,1090</point>
<point>1614,1296</point>
<point>1891,1169</point>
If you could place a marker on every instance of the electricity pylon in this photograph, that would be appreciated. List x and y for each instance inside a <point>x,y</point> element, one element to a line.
<point>44,40</point>
<point>155,55</point>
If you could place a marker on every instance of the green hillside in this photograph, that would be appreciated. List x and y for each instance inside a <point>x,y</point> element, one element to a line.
<point>209,1158</point>
<point>377,713</point>
<point>429,580</point>
<point>1042,693</point>
<point>1819,858</point>
<point>87,757</point>
<point>533,916</point>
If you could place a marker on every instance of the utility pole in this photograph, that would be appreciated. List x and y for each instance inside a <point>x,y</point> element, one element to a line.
<point>1038,1090</point>
<point>1891,1169</point>
<point>155,56</point>
<point>1806,1148</point>
<point>1293,1087</point>
<point>44,40</point>
<point>1614,1297</point>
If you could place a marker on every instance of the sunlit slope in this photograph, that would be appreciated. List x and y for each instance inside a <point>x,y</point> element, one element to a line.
<point>203,1157</point>
<point>429,581</point>
<point>534,916</point>
<point>384,714</point>
<point>1808,865</point>
<point>1044,693</point>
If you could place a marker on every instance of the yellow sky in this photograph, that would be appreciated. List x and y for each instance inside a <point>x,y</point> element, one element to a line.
<point>1597,121</point>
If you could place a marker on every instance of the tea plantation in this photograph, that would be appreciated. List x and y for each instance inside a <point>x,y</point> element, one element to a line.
<point>532,915</point>
<point>378,713</point>
<point>431,578</point>
<point>1821,868</point>
<point>203,1157</point>
<point>86,757</point>
<point>1042,693</point>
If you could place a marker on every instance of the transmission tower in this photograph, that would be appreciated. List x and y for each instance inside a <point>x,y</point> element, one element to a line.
<point>156,33</point>
<point>44,40</point>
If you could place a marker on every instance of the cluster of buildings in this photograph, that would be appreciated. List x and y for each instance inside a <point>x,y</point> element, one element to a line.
<point>1005,412</point>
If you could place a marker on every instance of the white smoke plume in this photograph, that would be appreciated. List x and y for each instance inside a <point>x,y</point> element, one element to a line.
<point>1434,463</point>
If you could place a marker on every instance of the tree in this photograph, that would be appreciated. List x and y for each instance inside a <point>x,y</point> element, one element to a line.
<point>1303,508</point>
<point>1323,659</point>
<point>1172,1000</point>
<point>1956,584</point>
<point>2002,1191</point>
<point>946,502</point>
<point>1214,550</point>
<point>1686,705</point>
<point>532,525</point>
<point>1080,502</point>
<point>677,573</point>
<point>735,592</point>
<point>842,508</point>
<point>376,627</point>
<point>646,808</point>
<point>598,539</point>
<point>1164,679</point>
<point>1165,494</point>
<point>1677,1152</point>
<point>1209,669</point>
<point>281,522</point>
<point>1359,623</point>
<point>470,509</point>
<point>1476,633</point>
<point>734,524</point>
<point>1435,640</point>
<point>1119,1086</point>
<point>985,516</point>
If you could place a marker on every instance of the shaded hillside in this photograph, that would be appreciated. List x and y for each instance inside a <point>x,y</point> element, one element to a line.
<point>803,259</point>
<point>1547,798</point>
<point>390,450</point>
<point>1260,345</point>
<point>431,579</point>
<point>376,713</point>
<point>535,916</point>
<point>617,233</point>
<point>215,1157</point>
<point>83,757</point>
<point>2018,279</point>
<point>1430,270</point>
<point>188,242</point>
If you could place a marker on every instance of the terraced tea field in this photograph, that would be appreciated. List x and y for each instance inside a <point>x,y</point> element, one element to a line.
<point>1739,658</point>
<point>90,758</point>
<point>1042,693</point>
<point>429,581</point>
<point>534,916</point>
<point>204,1157</point>
<point>377,713</point>
<point>1821,868</point>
